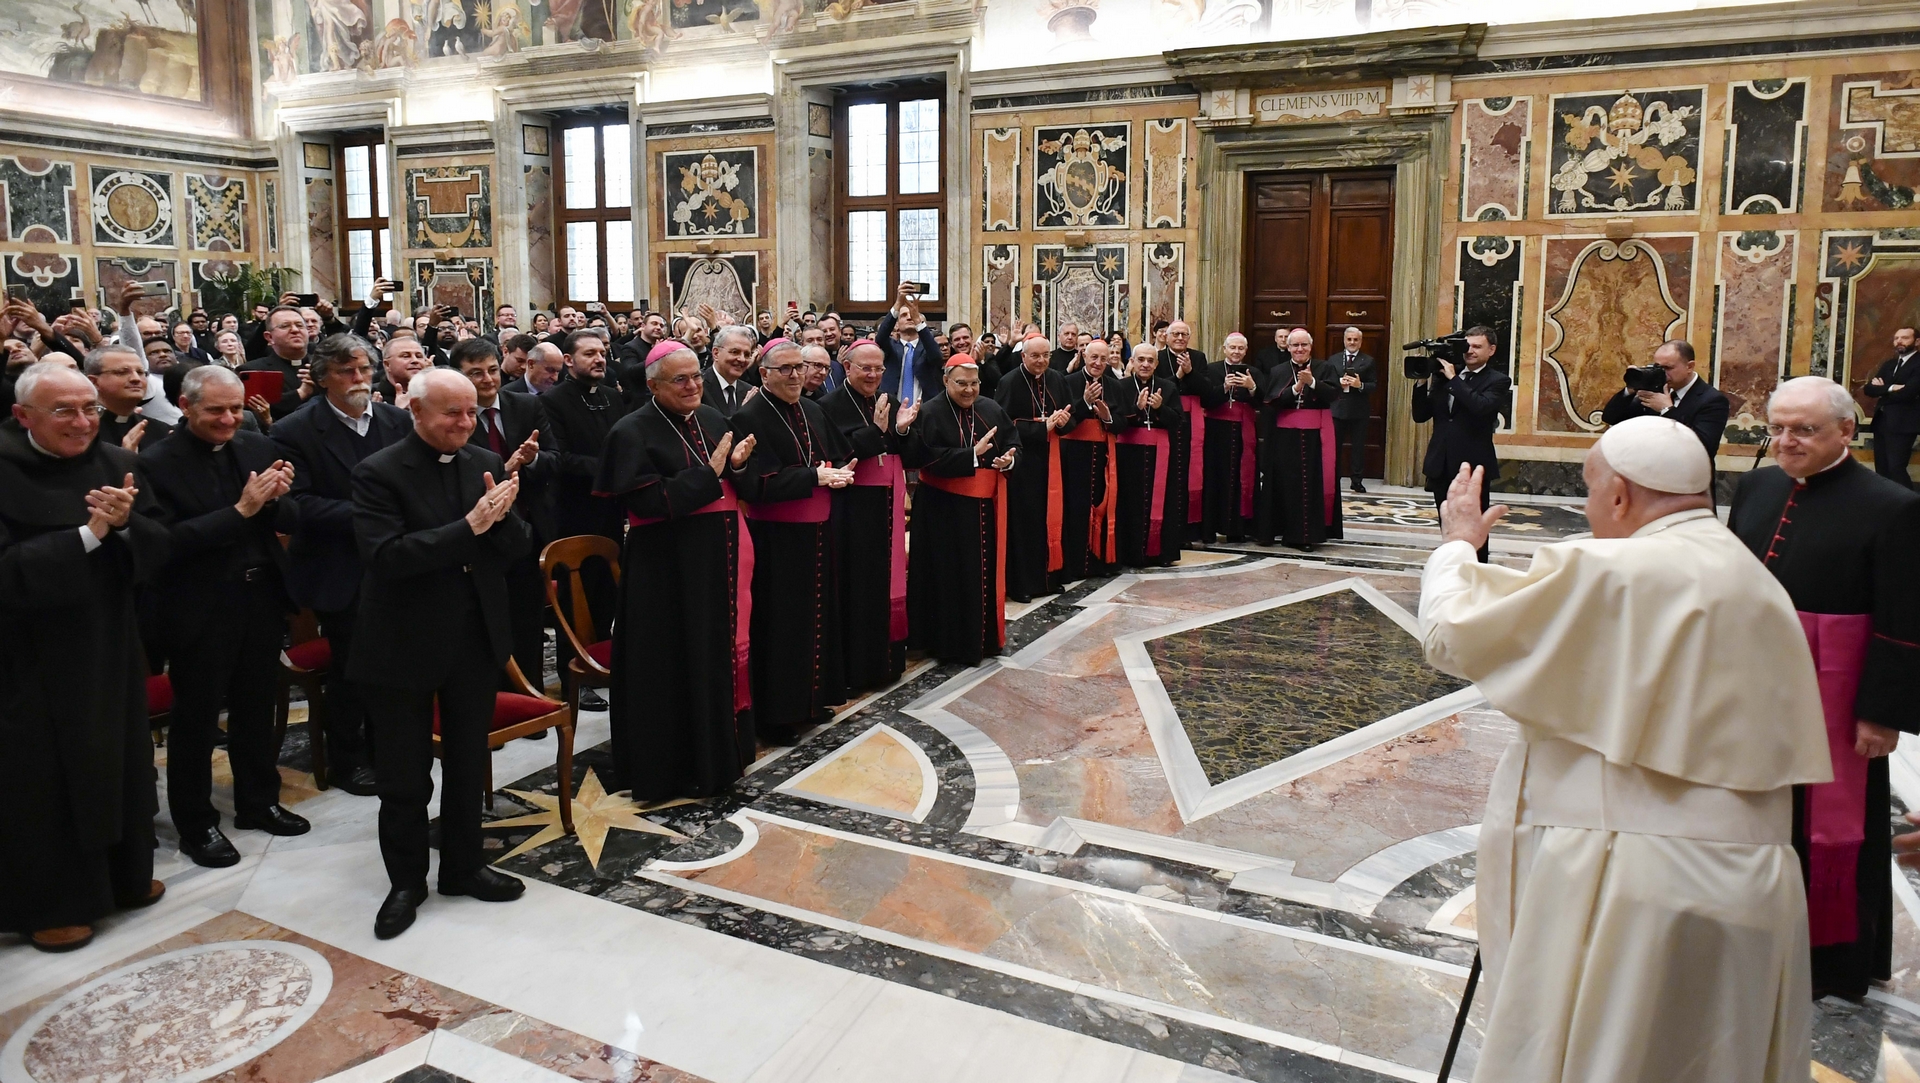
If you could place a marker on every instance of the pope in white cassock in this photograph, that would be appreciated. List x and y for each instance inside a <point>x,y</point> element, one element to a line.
<point>1641,911</point>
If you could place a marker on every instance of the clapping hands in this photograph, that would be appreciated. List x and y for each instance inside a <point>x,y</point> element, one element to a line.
<point>264,487</point>
<point>109,506</point>
<point>834,477</point>
<point>494,505</point>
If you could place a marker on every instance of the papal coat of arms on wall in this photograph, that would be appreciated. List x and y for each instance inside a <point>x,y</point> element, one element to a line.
<point>1617,153</point>
<point>711,193</point>
<point>1081,176</point>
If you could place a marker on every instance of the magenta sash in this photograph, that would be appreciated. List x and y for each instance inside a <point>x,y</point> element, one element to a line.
<point>1196,456</point>
<point>742,590</point>
<point>887,471</point>
<point>1156,513</point>
<point>1837,810</point>
<point>1329,467</point>
<point>1242,413</point>
<point>816,507</point>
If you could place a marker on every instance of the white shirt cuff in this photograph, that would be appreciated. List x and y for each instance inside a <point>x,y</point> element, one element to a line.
<point>88,541</point>
<point>1442,579</point>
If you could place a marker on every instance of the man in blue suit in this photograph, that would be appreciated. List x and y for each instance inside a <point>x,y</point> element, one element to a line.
<point>918,354</point>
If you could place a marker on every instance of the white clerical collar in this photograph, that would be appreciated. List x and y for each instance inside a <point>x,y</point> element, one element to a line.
<point>1673,520</point>
<point>35,445</point>
<point>447,457</point>
<point>357,424</point>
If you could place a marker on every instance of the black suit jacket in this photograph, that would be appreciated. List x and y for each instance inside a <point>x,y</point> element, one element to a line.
<point>1899,411</point>
<point>325,571</point>
<point>1353,402</point>
<point>1703,409</point>
<point>520,417</point>
<point>1465,411</point>
<point>213,544</point>
<point>424,565</point>
<point>712,395</point>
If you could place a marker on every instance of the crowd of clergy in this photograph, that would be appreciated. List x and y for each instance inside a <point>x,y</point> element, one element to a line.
<point>760,487</point>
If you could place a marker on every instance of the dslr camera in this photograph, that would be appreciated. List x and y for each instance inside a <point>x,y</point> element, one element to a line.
<point>1450,348</point>
<point>1646,378</point>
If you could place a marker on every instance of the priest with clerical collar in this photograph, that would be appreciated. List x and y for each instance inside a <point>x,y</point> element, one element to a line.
<point>1151,517</point>
<point>77,538</point>
<point>1301,502</point>
<point>963,446</point>
<point>121,379</point>
<point>1034,396</point>
<point>1842,540</point>
<point>682,707</point>
<point>1640,905</point>
<point>873,542</point>
<point>800,463</point>
<point>1088,478</point>
<point>1233,390</point>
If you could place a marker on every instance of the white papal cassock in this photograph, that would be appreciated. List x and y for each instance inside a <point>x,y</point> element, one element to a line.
<point>1640,909</point>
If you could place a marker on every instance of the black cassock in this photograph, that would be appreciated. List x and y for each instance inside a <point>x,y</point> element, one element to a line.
<point>73,696</point>
<point>1847,542</point>
<point>1296,464</point>
<point>1028,401</point>
<point>1148,462</point>
<point>797,668</point>
<point>874,654</point>
<point>580,418</point>
<point>681,726</point>
<point>1086,480</point>
<point>1231,477</point>
<point>956,610</point>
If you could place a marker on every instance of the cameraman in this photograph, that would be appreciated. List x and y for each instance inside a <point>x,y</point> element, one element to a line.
<point>1687,399</point>
<point>1464,403</point>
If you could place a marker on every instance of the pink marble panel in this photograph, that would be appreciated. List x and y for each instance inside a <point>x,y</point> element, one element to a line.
<point>1495,140</point>
<point>1756,274</point>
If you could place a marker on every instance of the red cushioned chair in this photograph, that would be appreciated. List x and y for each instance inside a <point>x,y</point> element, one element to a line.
<point>517,712</point>
<point>159,701</point>
<point>305,664</point>
<point>591,664</point>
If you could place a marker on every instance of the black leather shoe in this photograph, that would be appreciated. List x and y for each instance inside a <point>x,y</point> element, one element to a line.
<point>1358,488</point>
<point>396,913</point>
<point>360,782</point>
<point>539,736</point>
<point>274,820</point>
<point>209,848</point>
<point>591,700</point>
<point>487,885</point>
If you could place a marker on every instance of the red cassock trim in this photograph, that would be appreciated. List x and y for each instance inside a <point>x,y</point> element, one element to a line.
<point>985,484</point>
<point>1100,518</point>
<point>1156,514</point>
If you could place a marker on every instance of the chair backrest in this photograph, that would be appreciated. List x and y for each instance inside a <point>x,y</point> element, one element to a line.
<point>302,627</point>
<point>562,560</point>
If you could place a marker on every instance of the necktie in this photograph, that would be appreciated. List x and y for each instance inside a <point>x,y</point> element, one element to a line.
<point>495,439</point>
<point>908,385</point>
<point>733,397</point>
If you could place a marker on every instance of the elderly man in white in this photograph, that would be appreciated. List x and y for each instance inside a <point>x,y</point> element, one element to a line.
<point>1640,908</point>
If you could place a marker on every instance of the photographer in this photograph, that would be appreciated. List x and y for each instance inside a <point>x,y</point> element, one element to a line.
<point>1464,403</point>
<point>1686,398</point>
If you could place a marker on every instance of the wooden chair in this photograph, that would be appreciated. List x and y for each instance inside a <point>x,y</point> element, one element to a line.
<point>159,703</point>
<point>592,663</point>
<point>517,712</point>
<point>305,664</point>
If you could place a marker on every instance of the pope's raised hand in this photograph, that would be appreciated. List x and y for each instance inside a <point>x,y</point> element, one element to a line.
<point>1460,516</point>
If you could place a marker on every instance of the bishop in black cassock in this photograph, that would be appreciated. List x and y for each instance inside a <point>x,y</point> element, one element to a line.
<point>1300,497</point>
<point>73,703</point>
<point>681,713</point>
<point>963,446</point>
<point>1034,397</point>
<point>1843,541</point>
<point>1151,512</point>
<point>1232,392</point>
<point>1088,470</point>
<point>872,544</point>
<point>799,464</point>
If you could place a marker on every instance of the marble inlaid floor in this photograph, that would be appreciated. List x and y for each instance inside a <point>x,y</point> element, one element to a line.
<point>1198,824</point>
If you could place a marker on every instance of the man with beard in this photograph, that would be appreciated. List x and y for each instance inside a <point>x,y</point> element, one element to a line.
<point>1842,541</point>
<point>873,540</point>
<point>1034,397</point>
<point>581,410</point>
<point>1234,390</point>
<point>1301,501</point>
<point>1150,463</point>
<point>682,708</point>
<point>726,385</point>
<point>963,446</point>
<point>799,461</point>
<point>1088,479</point>
<point>73,705</point>
<point>323,445</point>
<point>631,358</point>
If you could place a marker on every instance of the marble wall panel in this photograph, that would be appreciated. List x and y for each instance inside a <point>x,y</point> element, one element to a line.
<point>323,266</point>
<point>270,213</point>
<point>1496,141</point>
<point>1869,287</point>
<point>132,207</point>
<point>1753,323</point>
<point>465,282</point>
<point>50,279</point>
<point>1620,152</point>
<point>1166,169</point>
<point>820,199</point>
<point>215,286</point>
<point>710,193</point>
<point>1000,282</point>
<point>1163,281</point>
<point>1488,293</point>
<point>1080,175</point>
<point>1087,286</point>
<point>1000,179</point>
<point>38,198</point>
<point>727,281</point>
<point>1610,306</point>
<point>1873,142</point>
<point>448,206</point>
<point>112,273</point>
<point>538,179</point>
<point>1766,146</point>
<point>218,207</point>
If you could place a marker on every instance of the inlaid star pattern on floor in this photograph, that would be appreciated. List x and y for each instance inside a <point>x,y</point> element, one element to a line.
<point>595,812</point>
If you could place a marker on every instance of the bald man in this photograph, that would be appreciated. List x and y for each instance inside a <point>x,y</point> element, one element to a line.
<point>433,517</point>
<point>873,554</point>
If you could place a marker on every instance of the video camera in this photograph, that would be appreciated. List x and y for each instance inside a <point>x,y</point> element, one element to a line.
<point>1450,348</point>
<point>1646,378</point>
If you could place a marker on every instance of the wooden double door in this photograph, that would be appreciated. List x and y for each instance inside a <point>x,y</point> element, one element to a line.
<point>1319,255</point>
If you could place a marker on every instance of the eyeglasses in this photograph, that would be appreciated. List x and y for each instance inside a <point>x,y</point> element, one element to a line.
<point>1800,432</point>
<point>687,379</point>
<point>786,370</point>
<point>70,413</point>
